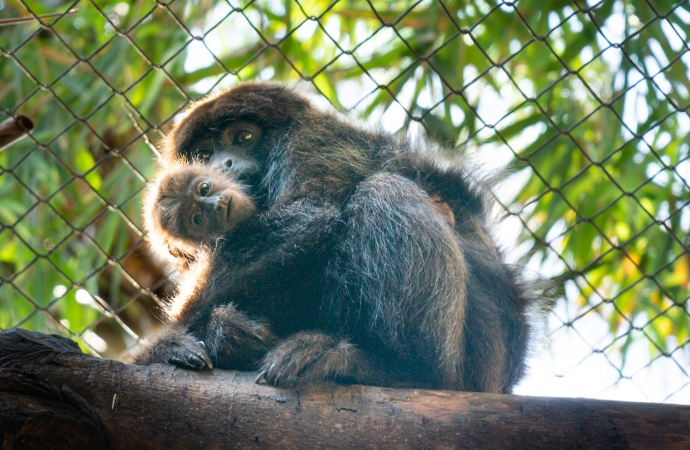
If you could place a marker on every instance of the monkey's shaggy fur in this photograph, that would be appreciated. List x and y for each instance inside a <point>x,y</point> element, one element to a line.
<point>350,270</point>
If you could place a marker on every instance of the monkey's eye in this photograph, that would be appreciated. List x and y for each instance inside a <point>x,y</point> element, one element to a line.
<point>197,219</point>
<point>202,155</point>
<point>244,137</point>
<point>204,189</point>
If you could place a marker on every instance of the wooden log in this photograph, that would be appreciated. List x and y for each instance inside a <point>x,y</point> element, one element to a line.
<point>54,396</point>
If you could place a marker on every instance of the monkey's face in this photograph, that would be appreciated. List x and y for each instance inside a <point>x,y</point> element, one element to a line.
<point>235,131</point>
<point>195,205</point>
<point>232,149</point>
<point>211,208</point>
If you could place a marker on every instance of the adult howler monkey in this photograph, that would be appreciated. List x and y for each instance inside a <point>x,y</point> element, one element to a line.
<point>368,260</point>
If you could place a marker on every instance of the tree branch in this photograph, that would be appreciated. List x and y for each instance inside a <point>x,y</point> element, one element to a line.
<point>54,396</point>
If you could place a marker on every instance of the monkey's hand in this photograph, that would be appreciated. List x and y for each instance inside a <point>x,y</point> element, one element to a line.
<point>306,358</point>
<point>176,346</point>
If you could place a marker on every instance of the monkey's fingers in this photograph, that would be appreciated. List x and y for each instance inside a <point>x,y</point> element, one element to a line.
<point>261,378</point>
<point>203,356</point>
<point>188,362</point>
<point>305,358</point>
<point>191,357</point>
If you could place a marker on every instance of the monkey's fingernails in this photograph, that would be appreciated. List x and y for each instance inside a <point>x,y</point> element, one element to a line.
<point>261,378</point>
<point>196,362</point>
<point>174,360</point>
<point>207,360</point>
<point>179,362</point>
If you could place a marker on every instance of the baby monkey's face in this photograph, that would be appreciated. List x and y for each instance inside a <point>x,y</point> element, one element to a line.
<point>196,204</point>
<point>212,207</point>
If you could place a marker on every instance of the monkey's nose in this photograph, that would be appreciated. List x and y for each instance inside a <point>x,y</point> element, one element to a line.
<point>223,204</point>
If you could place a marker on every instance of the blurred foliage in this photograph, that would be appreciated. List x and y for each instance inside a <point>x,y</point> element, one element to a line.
<point>584,105</point>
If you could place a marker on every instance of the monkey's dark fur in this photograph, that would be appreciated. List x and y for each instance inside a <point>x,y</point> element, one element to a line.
<point>349,271</point>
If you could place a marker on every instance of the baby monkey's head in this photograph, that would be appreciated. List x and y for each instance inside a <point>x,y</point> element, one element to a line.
<point>192,205</point>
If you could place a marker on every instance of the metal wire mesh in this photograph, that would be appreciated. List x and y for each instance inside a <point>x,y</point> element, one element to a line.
<point>584,105</point>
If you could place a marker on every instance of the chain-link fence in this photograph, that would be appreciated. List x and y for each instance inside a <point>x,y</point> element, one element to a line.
<point>581,106</point>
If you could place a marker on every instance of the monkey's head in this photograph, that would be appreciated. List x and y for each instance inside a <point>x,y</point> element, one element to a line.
<point>235,131</point>
<point>192,205</point>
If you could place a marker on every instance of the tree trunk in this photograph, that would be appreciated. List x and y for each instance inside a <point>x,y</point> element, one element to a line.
<point>54,396</point>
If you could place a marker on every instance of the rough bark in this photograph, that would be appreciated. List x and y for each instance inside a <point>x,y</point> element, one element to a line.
<point>54,396</point>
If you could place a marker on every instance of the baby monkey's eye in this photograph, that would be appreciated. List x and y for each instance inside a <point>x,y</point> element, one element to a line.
<point>244,137</point>
<point>204,189</point>
<point>197,219</point>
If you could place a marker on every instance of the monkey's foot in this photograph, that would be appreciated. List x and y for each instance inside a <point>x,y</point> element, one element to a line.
<point>306,358</point>
<point>178,348</point>
<point>190,355</point>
